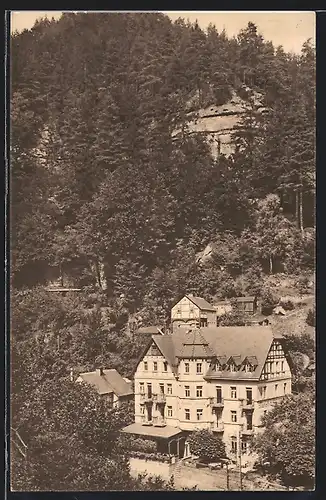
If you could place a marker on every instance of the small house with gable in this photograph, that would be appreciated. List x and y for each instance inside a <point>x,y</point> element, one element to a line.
<point>192,312</point>
<point>109,384</point>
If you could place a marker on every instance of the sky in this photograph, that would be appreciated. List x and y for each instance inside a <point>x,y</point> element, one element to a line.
<point>288,28</point>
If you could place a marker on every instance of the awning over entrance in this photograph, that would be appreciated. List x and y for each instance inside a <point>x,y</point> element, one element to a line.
<point>166,432</point>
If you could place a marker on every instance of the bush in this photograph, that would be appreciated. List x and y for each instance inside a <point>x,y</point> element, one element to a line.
<point>155,457</point>
<point>268,301</point>
<point>137,444</point>
<point>287,305</point>
<point>303,284</point>
<point>311,318</point>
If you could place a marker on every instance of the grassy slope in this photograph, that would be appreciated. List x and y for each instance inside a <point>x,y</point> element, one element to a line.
<point>295,321</point>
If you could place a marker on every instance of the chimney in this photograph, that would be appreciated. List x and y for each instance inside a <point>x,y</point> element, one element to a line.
<point>71,375</point>
<point>100,371</point>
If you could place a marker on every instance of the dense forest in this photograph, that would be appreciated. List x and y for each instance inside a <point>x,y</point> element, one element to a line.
<point>106,191</point>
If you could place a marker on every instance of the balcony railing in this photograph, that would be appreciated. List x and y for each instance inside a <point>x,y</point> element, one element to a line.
<point>247,432</point>
<point>217,402</point>
<point>145,421</point>
<point>247,404</point>
<point>159,422</point>
<point>146,397</point>
<point>159,398</point>
<point>217,427</point>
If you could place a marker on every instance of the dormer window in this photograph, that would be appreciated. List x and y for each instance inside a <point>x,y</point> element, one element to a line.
<point>232,367</point>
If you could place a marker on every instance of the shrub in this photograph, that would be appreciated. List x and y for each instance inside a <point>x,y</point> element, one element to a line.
<point>268,301</point>
<point>287,305</point>
<point>137,444</point>
<point>303,284</point>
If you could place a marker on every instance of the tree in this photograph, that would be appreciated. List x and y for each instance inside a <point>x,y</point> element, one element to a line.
<point>286,447</point>
<point>206,446</point>
<point>274,237</point>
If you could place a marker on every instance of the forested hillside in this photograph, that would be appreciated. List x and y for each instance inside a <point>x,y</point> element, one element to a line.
<point>113,187</point>
<point>103,187</point>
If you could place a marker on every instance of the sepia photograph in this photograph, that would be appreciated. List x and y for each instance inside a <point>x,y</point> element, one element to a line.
<point>162,215</point>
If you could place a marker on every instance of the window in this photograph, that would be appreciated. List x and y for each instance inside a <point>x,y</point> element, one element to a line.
<point>155,366</point>
<point>199,368</point>
<point>276,388</point>
<point>165,366</point>
<point>277,368</point>
<point>199,391</point>
<point>232,367</point>
<point>233,392</point>
<point>264,391</point>
<point>219,394</point>
<point>234,445</point>
<point>282,366</point>
<point>169,411</point>
<point>141,387</point>
<point>203,322</point>
<point>186,367</point>
<point>187,391</point>
<point>199,414</point>
<point>162,388</point>
<point>169,388</point>
<point>145,366</point>
<point>142,410</point>
<point>284,388</point>
<point>233,416</point>
<point>249,395</point>
<point>244,446</point>
<point>187,414</point>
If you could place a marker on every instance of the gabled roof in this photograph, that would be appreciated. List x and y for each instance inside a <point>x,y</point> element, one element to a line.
<point>236,359</point>
<point>245,299</point>
<point>167,348</point>
<point>201,303</point>
<point>253,341</point>
<point>252,360</point>
<point>110,381</point>
<point>220,344</point>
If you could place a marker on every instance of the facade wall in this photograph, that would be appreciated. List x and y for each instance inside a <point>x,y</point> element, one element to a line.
<point>185,313</point>
<point>191,398</point>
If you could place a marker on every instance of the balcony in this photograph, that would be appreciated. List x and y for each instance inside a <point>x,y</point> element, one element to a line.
<point>159,422</point>
<point>217,427</point>
<point>146,398</point>
<point>159,398</point>
<point>145,421</point>
<point>247,432</point>
<point>247,404</point>
<point>217,402</point>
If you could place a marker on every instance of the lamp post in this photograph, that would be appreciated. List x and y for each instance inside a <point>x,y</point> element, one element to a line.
<point>239,455</point>
<point>226,462</point>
